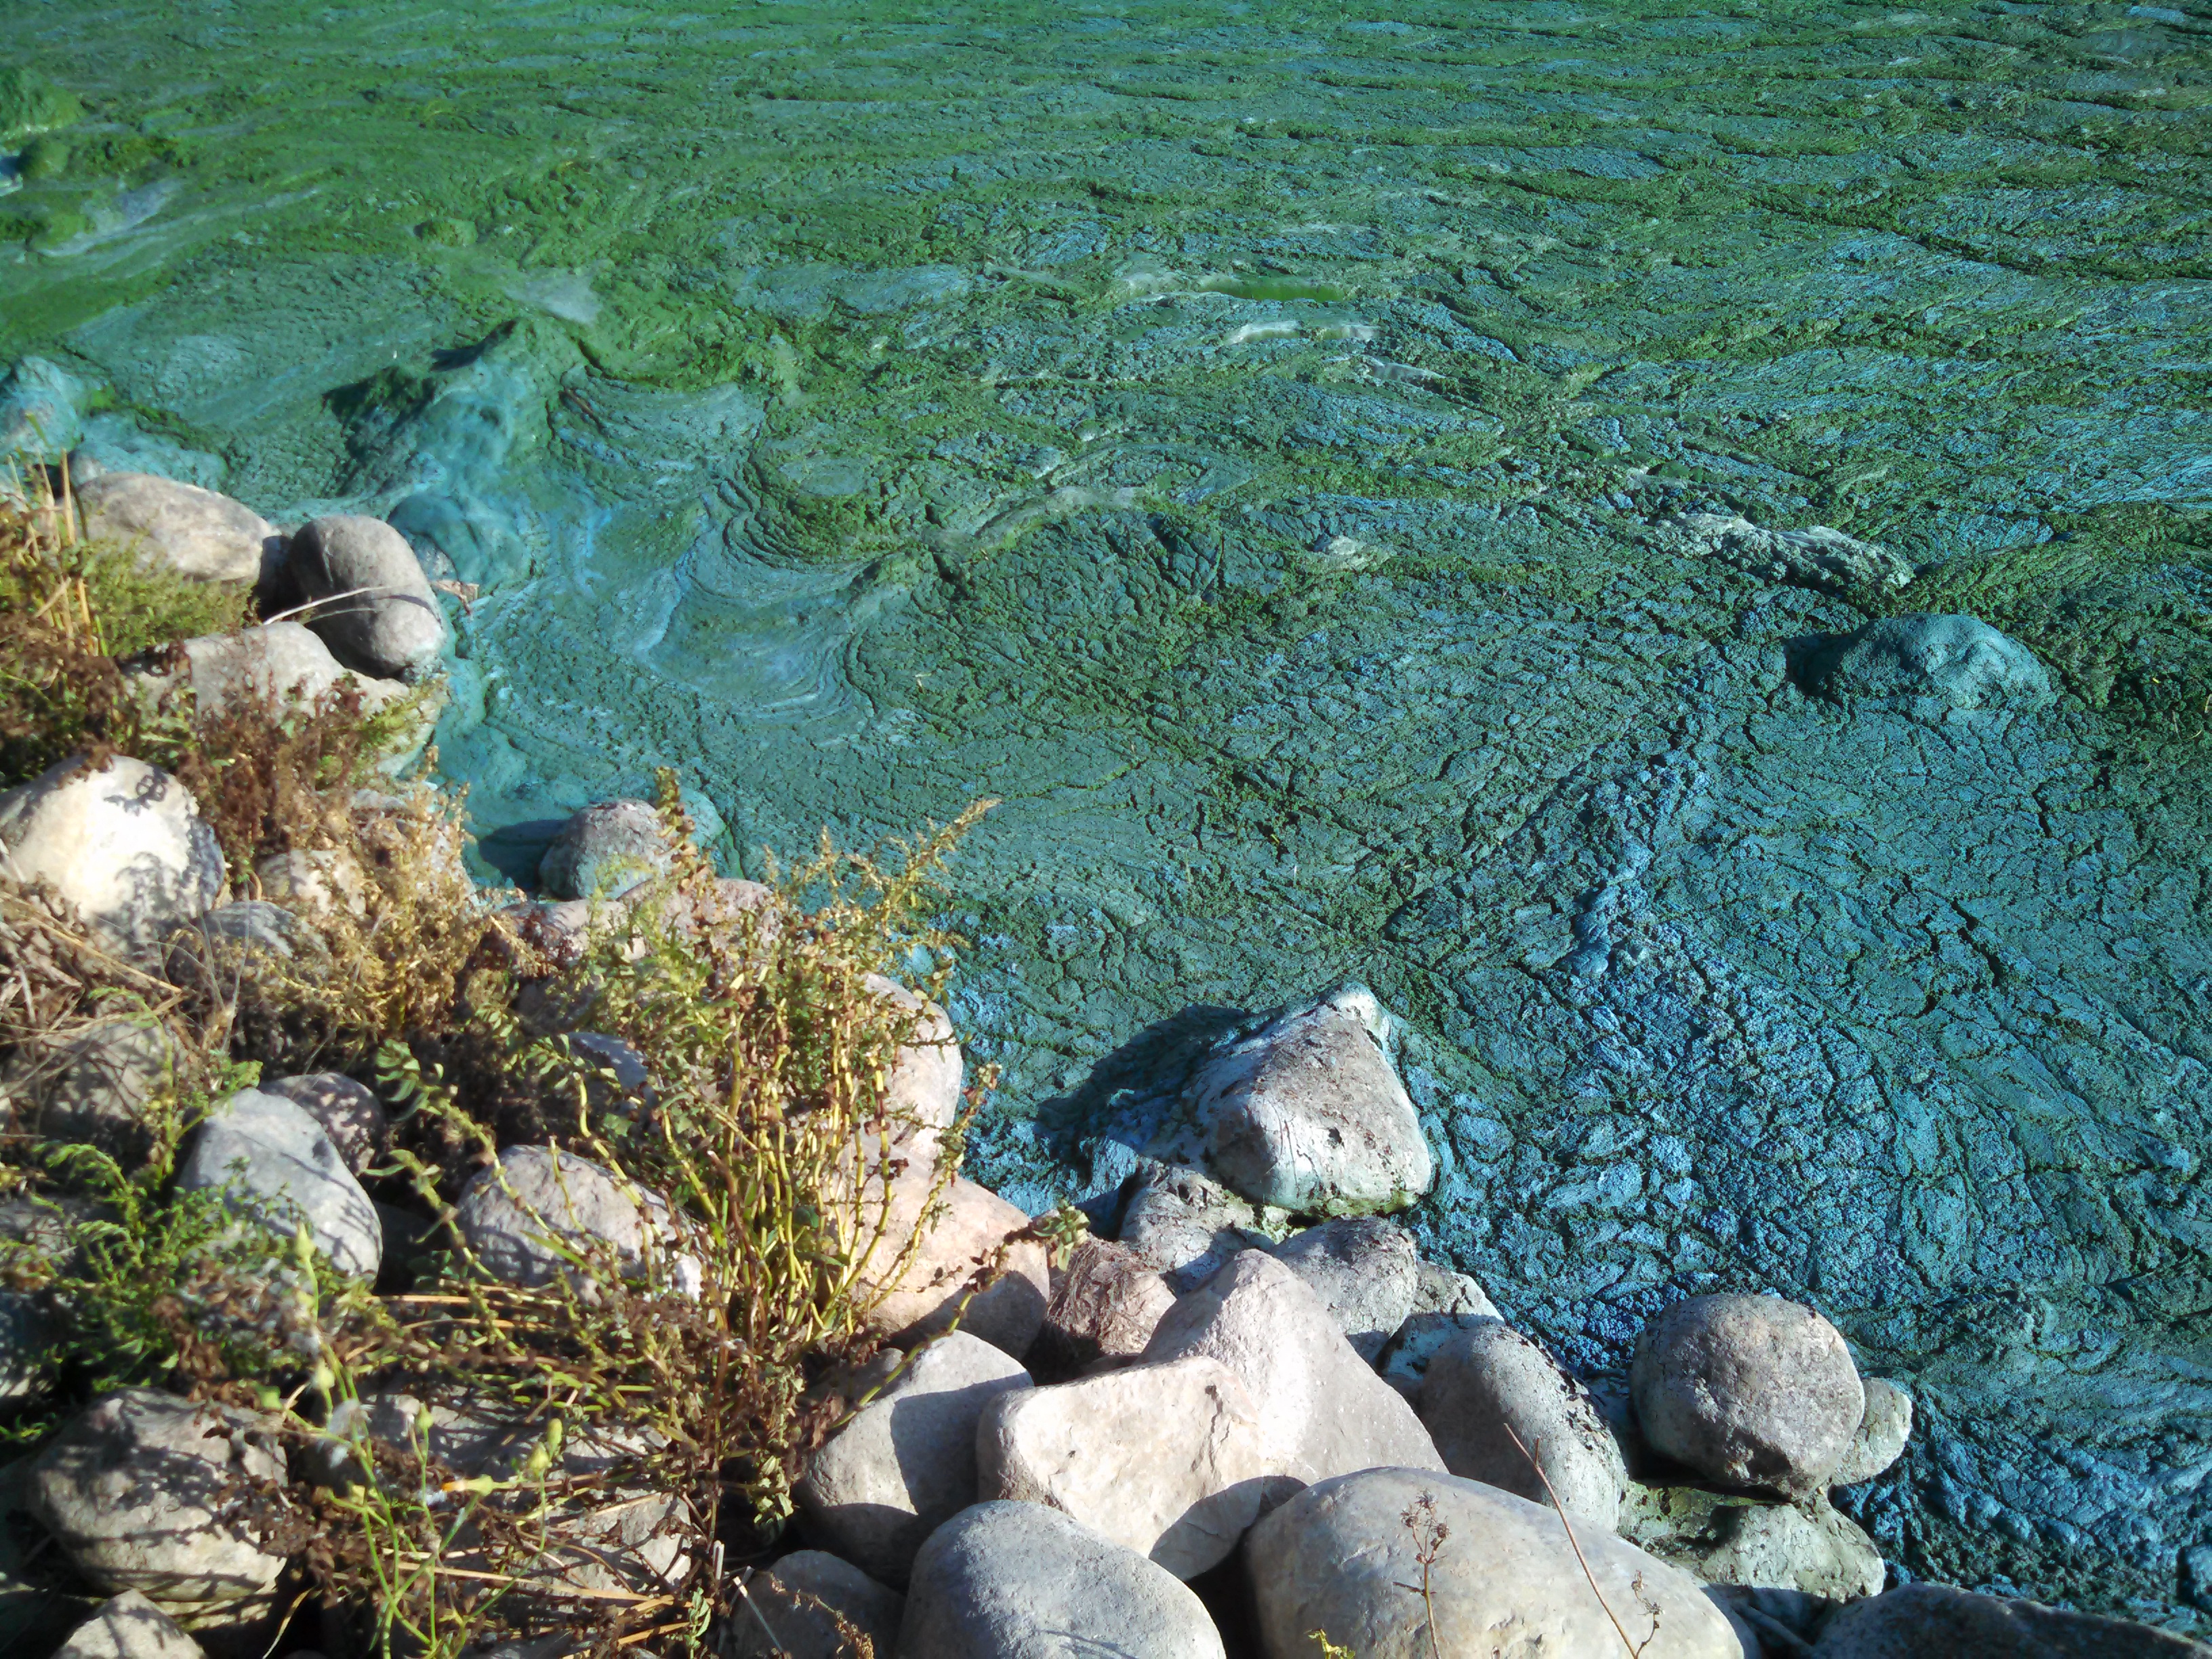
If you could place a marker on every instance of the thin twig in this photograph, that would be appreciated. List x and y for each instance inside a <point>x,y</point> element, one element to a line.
<point>1634,1652</point>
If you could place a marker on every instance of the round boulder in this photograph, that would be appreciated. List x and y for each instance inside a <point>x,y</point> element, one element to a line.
<point>804,1599</point>
<point>1365,1270</point>
<point>1750,1391</point>
<point>124,845</point>
<point>1017,1580</point>
<point>1503,1578</point>
<point>141,1492</point>
<point>604,850</point>
<point>129,1626</point>
<point>530,1212</point>
<point>281,1170</point>
<point>349,1112</point>
<point>373,605</point>
<point>1881,1434</point>
<point>192,532</point>
<point>1957,661</point>
<point>1490,1385</point>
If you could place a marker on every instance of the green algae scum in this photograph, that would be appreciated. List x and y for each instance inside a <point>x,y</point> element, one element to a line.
<point>1262,447</point>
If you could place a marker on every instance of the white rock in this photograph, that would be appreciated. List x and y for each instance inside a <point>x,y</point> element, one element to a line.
<point>1730,1539</point>
<point>124,845</point>
<point>1169,1459</point>
<point>906,1461</point>
<point>394,629</point>
<point>804,1597</point>
<point>925,1297</point>
<point>527,1214</point>
<point>308,882</point>
<point>135,1493</point>
<point>1308,1115</point>
<point>1820,559</point>
<point>1186,1226</point>
<point>1105,1305</point>
<point>1490,1385</point>
<point>1750,1391</point>
<point>129,1626</point>
<point>275,664</point>
<point>1445,1304</point>
<point>1364,1269</point>
<point>922,1093</point>
<point>1015,1581</point>
<point>1883,1429</point>
<point>1504,1580</point>
<point>1322,1410</point>
<point>193,531</point>
<point>283,1169</point>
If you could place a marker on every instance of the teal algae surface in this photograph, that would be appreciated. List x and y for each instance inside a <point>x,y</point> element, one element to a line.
<point>1245,442</point>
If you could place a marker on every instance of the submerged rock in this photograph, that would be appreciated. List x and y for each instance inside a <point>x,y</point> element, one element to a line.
<point>1824,560</point>
<point>1955,659</point>
<point>1917,1622</point>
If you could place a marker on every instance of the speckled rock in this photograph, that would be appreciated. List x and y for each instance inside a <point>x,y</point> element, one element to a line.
<point>1365,1270</point>
<point>1168,1459</point>
<point>1750,1391</point>
<point>1015,1581</point>
<point>372,603</point>
<point>1505,1580</point>
<point>1322,1410</point>
<point>1733,1538</point>
<point>1883,1429</point>
<point>1186,1226</point>
<point>906,1461</point>
<point>192,532</point>
<point>1105,1305</point>
<point>132,1490</point>
<point>604,851</point>
<point>123,844</point>
<point>1489,1384</point>
<point>1308,1115</point>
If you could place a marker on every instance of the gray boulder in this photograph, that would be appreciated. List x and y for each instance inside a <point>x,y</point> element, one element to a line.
<point>1186,1226</point>
<point>1308,1115</point>
<point>1445,1304</point>
<point>141,1493</point>
<point>1169,1459</point>
<point>373,605</point>
<point>1883,1429</point>
<point>99,1087</point>
<point>1105,1305</point>
<point>1014,1581</point>
<point>1826,561</point>
<point>283,1170</point>
<point>1751,1391</point>
<point>1322,1410</point>
<point>347,1112</point>
<point>1729,1538</point>
<point>271,665</point>
<point>249,946</point>
<point>530,1212</point>
<point>926,1295</point>
<point>129,1626</point>
<point>604,850</point>
<point>25,1347</point>
<point>41,408</point>
<point>192,532</point>
<point>1956,660</point>
<point>1505,1579</point>
<point>814,1604</point>
<point>1364,1269</point>
<point>906,1461</point>
<point>1919,1621</point>
<point>123,844</point>
<point>1488,1385</point>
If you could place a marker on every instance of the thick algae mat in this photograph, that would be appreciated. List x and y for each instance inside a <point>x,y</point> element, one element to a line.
<point>1244,443</point>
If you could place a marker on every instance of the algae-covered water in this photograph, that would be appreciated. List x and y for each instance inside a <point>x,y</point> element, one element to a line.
<point>1243,442</point>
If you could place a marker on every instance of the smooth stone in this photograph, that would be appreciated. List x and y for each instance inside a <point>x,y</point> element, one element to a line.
<point>395,629</point>
<point>1364,1269</point>
<point>280,1169</point>
<point>193,531</point>
<point>1105,1305</point>
<point>1169,1459</point>
<point>1750,1391</point>
<point>348,1112</point>
<point>1445,1304</point>
<point>1186,1226</point>
<point>1308,1113</point>
<point>1504,1580</point>
<point>1488,1385</point>
<point>1017,1580</point>
<point>604,851</point>
<point>1958,660</point>
<point>906,1461</point>
<point>101,1087</point>
<point>926,1297</point>
<point>1883,1429</point>
<point>804,1598</point>
<point>520,1215</point>
<point>1730,1539</point>
<point>125,844</point>
<point>132,1489</point>
<point>1322,1410</point>
<point>129,1626</point>
<point>274,664</point>
<point>1923,1622</point>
